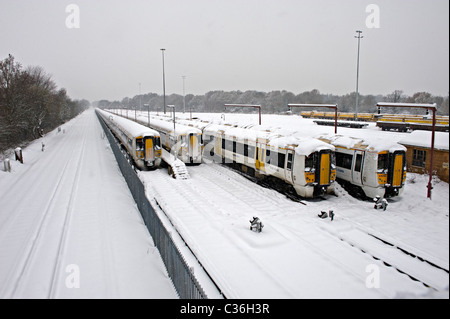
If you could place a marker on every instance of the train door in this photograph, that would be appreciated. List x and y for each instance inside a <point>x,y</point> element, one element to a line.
<point>397,176</point>
<point>325,168</point>
<point>193,147</point>
<point>259,157</point>
<point>289,166</point>
<point>357,171</point>
<point>218,145</point>
<point>149,154</point>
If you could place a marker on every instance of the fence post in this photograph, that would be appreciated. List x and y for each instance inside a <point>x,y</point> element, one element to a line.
<point>19,155</point>
<point>7,165</point>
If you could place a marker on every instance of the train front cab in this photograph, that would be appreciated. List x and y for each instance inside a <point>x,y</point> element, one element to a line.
<point>318,174</point>
<point>392,172</point>
<point>148,150</point>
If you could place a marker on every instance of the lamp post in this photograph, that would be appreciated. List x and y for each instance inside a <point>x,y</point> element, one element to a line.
<point>140,98</point>
<point>329,106</point>
<point>184,94</point>
<point>429,107</point>
<point>164,81</point>
<point>247,105</point>
<point>148,112</point>
<point>359,37</point>
<point>173,107</point>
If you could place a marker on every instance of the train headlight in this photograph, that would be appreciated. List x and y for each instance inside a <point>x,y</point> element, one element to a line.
<point>382,179</point>
<point>333,175</point>
<point>310,177</point>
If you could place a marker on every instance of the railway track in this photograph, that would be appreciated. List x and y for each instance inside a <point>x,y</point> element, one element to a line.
<point>213,207</point>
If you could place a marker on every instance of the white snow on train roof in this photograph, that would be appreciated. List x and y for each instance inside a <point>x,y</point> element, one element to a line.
<point>423,139</point>
<point>303,145</point>
<point>168,127</point>
<point>372,144</point>
<point>130,126</point>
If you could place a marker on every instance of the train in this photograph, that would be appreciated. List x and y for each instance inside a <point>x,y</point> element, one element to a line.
<point>375,117</point>
<point>366,167</point>
<point>369,168</point>
<point>142,144</point>
<point>306,165</point>
<point>181,140</point>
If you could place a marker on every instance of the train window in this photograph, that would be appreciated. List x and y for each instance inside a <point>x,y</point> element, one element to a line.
<point>240,149</point>
<point>157,142</point>
<point>419,158</point>
<point>246,150</point>
<point>281,160</point>
<point>251,151</point>
<point>344,160</point>
<point>234,146</point>
<point>139,145</point>
<point>383,161</point>
<point>275,158</point>
<point>289,161</point>
<point>358,163</point>
<point>309,161</point>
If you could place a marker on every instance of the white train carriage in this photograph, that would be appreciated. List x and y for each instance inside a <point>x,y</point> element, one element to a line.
<point>184,141</point>
<point>375,167</point>
<point>305,163</point>
<point>142,143</point>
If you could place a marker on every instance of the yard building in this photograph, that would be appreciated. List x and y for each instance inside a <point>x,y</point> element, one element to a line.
<point>418,154</point>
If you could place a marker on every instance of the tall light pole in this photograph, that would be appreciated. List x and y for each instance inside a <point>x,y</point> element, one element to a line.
<point>184,94</point>
<point>359,37</point>
<point>164,81</point>
<point>140,98</point>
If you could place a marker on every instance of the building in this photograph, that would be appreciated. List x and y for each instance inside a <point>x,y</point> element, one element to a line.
<point>418,154</point>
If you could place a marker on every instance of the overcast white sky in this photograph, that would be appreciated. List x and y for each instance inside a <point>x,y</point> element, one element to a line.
<point>265,45</point>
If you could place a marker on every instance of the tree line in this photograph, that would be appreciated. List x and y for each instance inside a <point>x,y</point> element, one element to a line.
<point>276,101</point>
<point>31,104</point>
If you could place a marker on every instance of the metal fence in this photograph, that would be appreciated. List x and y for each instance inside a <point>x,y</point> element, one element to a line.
<point>182,277</point>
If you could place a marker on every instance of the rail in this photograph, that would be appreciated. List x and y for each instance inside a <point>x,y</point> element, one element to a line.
<point>182,277</point>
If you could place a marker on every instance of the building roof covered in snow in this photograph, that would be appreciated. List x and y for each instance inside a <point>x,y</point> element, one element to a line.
<point>423,139</point>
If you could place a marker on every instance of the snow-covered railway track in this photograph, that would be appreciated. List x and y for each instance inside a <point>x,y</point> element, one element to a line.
<point>291,258</point>
<point>413,266</point>
<point>191,209</point>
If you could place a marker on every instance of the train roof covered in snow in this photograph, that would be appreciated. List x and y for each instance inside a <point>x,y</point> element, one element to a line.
<point>133,128</point>
<point>371,144</point>
<point>167,126</point>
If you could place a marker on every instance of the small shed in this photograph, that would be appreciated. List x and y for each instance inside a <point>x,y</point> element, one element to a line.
<point>418,154</point>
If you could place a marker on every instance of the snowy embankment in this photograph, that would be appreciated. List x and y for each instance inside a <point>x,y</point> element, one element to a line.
<point>69,227</point>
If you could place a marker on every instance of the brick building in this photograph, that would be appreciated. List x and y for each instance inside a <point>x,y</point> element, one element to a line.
<point>418,154</point>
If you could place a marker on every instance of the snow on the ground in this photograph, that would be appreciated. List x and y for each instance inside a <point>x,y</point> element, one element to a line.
<point>299,255</point>
<point>69,227</point>
<point>69,206</point>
